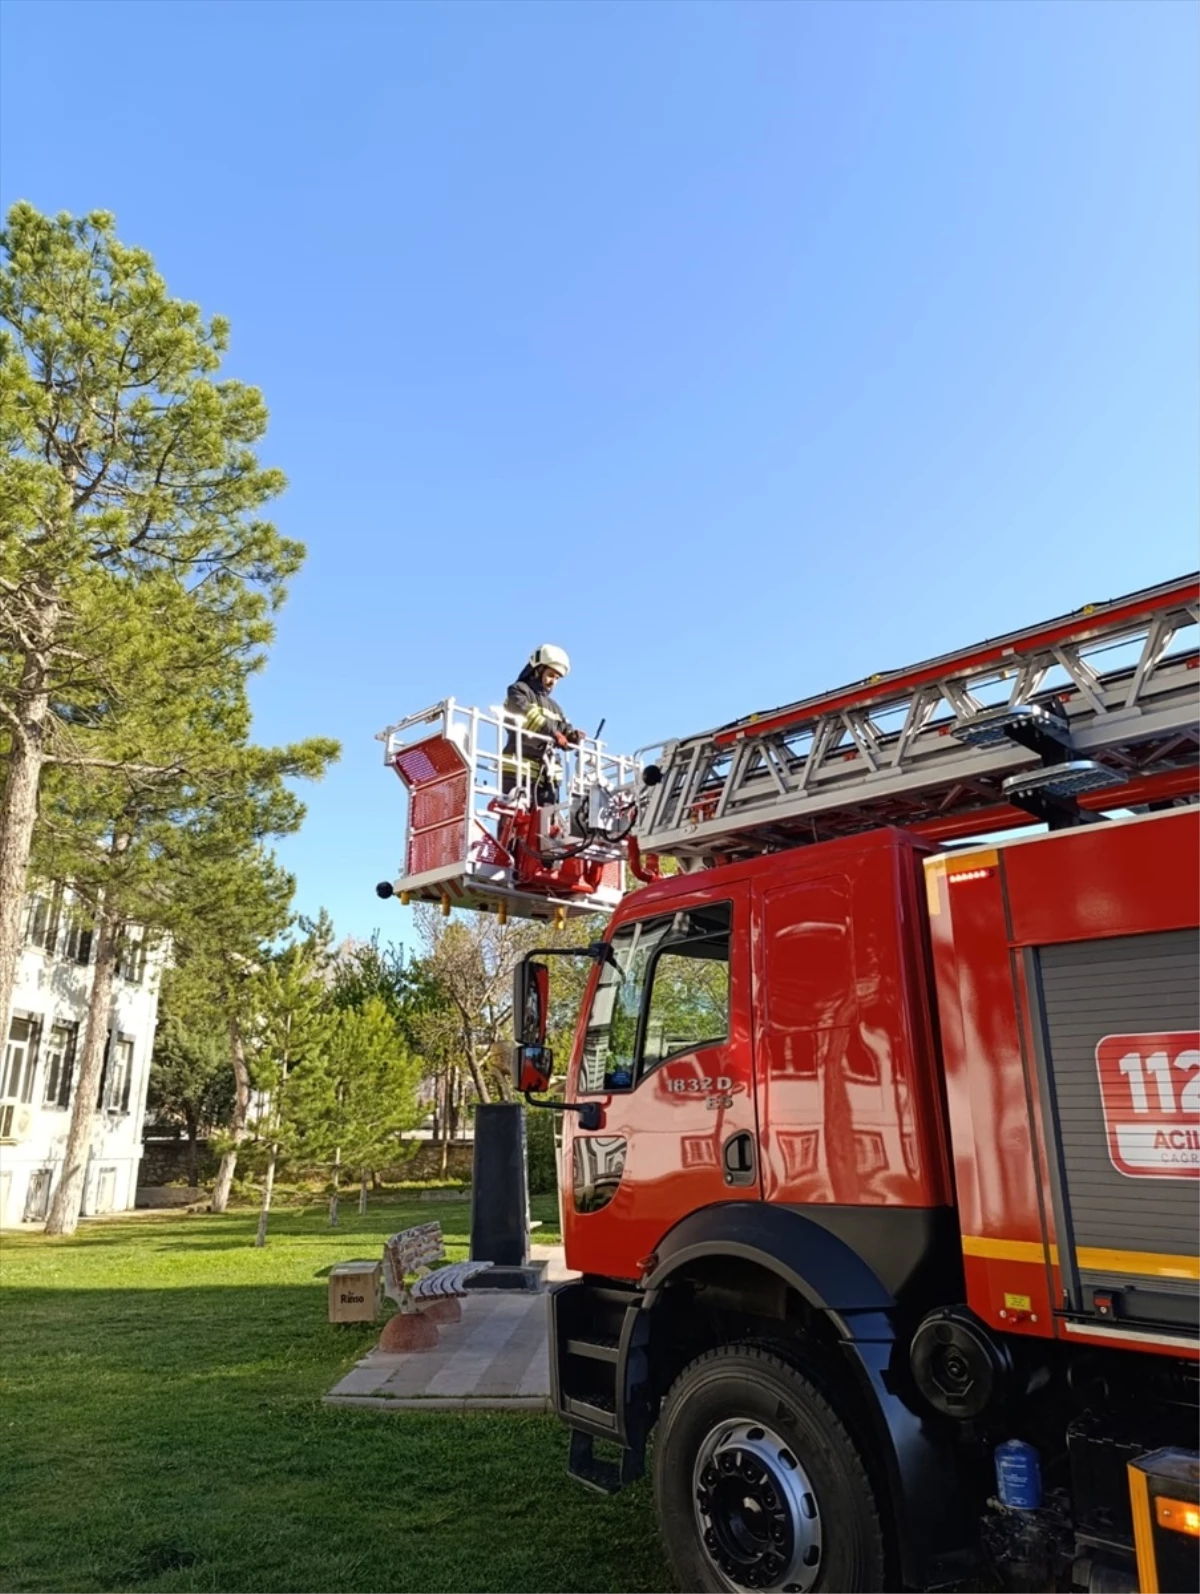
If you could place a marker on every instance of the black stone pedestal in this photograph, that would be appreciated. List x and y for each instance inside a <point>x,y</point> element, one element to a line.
<point>529,1277</point>
<point>500,1200</point>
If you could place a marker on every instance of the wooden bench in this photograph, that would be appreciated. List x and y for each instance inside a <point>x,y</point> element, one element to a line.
<point>434,1294</point>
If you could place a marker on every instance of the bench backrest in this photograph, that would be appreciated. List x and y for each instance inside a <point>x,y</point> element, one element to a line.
<point>407,1251</point>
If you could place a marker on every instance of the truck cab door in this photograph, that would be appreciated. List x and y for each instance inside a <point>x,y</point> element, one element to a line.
<point>666,1053</point>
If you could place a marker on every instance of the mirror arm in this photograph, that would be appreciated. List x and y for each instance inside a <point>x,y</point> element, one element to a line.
<point>589,1111</point>
<point>598,951</point>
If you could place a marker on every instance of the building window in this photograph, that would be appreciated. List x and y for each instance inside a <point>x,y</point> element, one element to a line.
<point>41,923</point>
<point>20,1061</point>
<point>60,1064</point>
<point>106,1190</point>
<point>131,962</point>
<point>16,1076</point>
<point>117,1076</point>
<point>37,1195</point>
<point>77,943</point>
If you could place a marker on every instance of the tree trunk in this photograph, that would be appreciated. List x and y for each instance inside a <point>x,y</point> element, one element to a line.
<point>335,1185</point>
<point>455,1103</point>
<point>476,1072</point>
<point>19,798</point>
<point>193,1151</point>
<point>450,1132</point>
<point>241,1111</point>
<point>68,1197</point>
<point>501,1075</point>
<point>260,1239</point>
<point>362,1194</point>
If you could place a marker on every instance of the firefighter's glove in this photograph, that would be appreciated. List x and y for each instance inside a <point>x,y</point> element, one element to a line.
<point>560,740</point>
<point>574,736</point>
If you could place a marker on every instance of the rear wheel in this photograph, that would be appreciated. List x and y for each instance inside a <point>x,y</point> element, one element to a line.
<point>758,1483</point>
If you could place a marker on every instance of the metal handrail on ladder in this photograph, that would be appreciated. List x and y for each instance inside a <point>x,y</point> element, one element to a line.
<point>1097,709</point>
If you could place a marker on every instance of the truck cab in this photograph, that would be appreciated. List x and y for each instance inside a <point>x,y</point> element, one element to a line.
<point>891,1163</point>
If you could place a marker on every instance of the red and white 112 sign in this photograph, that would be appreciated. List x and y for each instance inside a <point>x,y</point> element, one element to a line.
<point>1150,1086</point>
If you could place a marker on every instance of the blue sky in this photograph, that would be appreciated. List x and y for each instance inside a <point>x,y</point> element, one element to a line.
<point>741,349</point>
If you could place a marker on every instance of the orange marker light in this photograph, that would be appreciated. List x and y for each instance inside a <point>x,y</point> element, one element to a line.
<point>1178,1515</point>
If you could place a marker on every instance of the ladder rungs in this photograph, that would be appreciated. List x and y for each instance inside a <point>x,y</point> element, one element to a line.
<point>1103,687</point>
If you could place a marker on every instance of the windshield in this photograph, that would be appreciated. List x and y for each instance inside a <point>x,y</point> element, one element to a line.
<point>685,956</point>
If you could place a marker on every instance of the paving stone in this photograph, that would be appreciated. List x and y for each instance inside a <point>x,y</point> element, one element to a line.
<point>359,1381</point>
<point>444,1403</point>
<point>496,1358</point>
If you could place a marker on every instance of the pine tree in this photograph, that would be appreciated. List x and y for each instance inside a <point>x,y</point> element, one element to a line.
<point>190,1084</point>
<point>286,1046</point>
<point>369,1083</point>
<point>129,485</point>
<point>237,905</point>
<point>131,843</point>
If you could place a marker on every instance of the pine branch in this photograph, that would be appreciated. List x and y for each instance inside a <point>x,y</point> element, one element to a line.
<point>15,724</point>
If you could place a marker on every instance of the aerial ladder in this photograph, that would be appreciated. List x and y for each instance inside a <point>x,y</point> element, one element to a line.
<point>1060,723</point>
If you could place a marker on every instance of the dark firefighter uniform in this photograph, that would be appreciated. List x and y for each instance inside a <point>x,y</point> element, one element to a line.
<point>544,727</point>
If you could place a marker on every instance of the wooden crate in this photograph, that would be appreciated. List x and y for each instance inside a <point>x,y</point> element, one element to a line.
<point>355,1290</point>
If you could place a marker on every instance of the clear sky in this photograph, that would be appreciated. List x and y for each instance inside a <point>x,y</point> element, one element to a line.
<point>742,349</point>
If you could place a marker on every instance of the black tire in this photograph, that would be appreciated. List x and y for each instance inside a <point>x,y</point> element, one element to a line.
<point>738,1385</point>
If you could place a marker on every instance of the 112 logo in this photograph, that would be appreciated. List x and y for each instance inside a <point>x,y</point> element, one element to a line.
<point>1150,1088</point>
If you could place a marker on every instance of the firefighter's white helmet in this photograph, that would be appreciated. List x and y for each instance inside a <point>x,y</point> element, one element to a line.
<point>549,657</point>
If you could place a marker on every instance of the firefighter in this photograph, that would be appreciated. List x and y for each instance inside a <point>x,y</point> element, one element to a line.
<point>544,726</point>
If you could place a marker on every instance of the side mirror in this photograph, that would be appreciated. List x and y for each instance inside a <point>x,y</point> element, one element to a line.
<point>533,1061</point>
<point>533,1067</point>
<point>531,1003</point>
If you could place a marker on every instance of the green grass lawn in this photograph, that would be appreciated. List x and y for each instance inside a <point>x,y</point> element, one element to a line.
<point>161,1427</point>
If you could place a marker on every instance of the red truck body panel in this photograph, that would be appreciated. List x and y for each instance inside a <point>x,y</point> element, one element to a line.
<point>856,1096</point>
<point>830,1060</point>
<point>991,911</point>
<point>670,1139</point>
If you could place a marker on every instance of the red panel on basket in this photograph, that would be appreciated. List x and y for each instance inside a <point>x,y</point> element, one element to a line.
<point>428,760</point>
<point>434,849</point>
<point>438,803</point>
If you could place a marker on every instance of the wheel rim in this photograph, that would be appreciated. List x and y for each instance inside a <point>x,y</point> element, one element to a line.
<point>756,1510</point>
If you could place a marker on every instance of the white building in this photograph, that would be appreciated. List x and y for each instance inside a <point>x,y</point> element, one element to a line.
<point>38,1067</point>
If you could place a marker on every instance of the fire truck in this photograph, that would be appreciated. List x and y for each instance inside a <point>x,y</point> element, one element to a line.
<point>881,1125</point>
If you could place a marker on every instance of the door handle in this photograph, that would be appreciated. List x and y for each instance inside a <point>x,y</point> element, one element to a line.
<point>738,1160</point>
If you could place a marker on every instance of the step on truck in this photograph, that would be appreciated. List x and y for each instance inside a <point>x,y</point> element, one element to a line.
<point>881,1125</point>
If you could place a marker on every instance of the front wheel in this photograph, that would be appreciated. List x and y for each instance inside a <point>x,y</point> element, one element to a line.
<point>758,1483</point>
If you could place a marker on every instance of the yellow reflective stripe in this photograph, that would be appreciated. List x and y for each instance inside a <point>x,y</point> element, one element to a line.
<point>1155,1264</point>
<point>1091,1258</point>
<point>1003,1250</point>
<point>533,718</point>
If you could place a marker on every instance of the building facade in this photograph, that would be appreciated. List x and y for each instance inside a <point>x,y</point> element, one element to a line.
<point>38,1068</point>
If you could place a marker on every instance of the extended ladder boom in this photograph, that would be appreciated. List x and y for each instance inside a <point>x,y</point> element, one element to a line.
<point>1095,711</point>
<point>1098,707</point>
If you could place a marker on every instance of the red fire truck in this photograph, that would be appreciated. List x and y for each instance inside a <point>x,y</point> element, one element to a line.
<point>882,1120</point>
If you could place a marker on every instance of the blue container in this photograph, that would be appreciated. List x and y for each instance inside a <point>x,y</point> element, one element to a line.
<point>1018,1475</point>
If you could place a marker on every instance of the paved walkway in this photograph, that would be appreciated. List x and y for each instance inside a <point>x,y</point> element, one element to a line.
<point>497,1358</point>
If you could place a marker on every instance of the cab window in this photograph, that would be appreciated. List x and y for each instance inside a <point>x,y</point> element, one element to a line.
<point>667,993</point>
